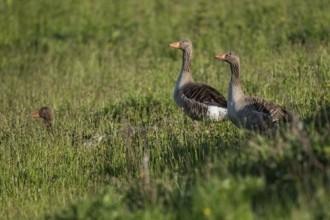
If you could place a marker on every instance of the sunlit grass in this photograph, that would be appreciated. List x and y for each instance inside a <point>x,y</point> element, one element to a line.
<point>106,70</point>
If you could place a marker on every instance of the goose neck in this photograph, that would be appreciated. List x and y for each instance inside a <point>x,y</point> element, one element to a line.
<point>49,124</point>
<point>185,74</point>
<point>235,71</point>
<point>235,90</point>
<point>186,60</point>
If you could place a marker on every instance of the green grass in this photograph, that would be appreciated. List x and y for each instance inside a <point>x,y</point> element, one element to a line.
<point>105,68</point>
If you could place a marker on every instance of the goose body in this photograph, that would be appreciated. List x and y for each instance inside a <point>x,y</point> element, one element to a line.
<point>199,101</point>
<point>252,113</point>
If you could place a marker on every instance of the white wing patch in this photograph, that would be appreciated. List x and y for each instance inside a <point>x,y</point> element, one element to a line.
<point>215,113</point>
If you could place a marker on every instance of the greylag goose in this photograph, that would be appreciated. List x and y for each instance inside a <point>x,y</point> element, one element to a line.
<point>252,113</point>
<point>199,101</point>
<point>47,115</point>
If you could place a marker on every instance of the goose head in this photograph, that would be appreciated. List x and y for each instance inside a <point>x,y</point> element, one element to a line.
<point>183,44</point>
<point>46,114</point>
<point>229,57</point>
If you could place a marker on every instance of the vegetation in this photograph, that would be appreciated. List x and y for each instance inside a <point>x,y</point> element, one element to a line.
<point>105,69</point>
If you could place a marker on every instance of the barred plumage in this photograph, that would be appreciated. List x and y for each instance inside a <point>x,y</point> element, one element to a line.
<point>199,101</point>
<point>252,113</point>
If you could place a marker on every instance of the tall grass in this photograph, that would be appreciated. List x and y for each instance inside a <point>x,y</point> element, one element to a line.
<point>105,69</point>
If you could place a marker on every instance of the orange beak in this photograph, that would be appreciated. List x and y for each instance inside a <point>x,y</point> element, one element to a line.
<point>220,56</point>
<point>175,45</point>
<point>36,115</point>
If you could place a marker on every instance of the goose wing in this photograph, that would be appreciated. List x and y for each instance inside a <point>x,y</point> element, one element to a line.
<point>203,94</point>
<point>268,110</point>
<point>197,98</point>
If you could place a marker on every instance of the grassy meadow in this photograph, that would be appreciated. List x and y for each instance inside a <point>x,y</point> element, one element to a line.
<point>106,69</point>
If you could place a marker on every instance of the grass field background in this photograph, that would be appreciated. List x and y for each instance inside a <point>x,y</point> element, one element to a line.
<point>105,68</point>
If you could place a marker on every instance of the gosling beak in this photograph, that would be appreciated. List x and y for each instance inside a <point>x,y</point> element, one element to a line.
<point>220,56</point>
<point>36,115</point>
<point>175,45</point>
